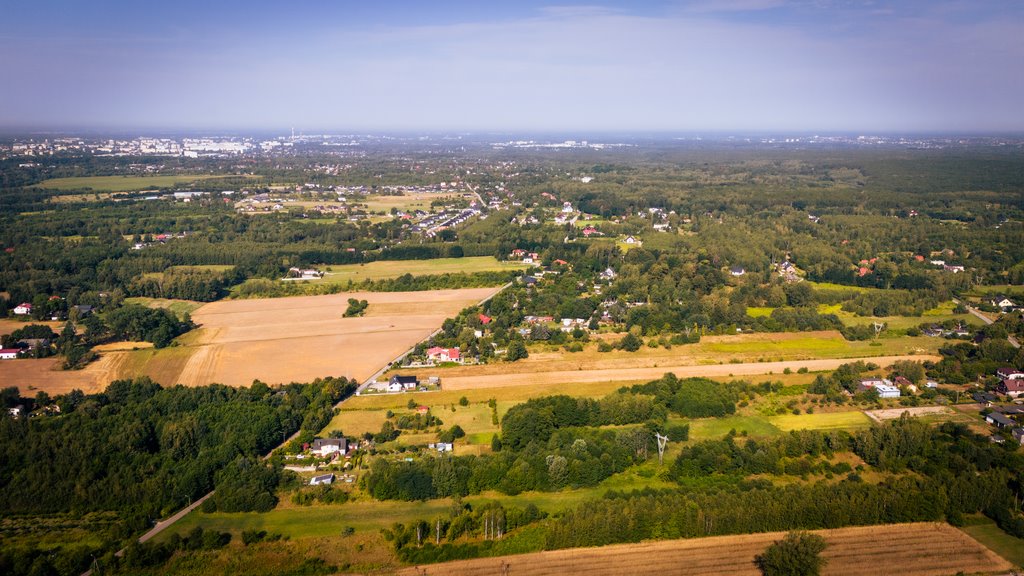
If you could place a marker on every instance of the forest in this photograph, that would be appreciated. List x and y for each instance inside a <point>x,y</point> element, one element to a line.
<point>140,451</point>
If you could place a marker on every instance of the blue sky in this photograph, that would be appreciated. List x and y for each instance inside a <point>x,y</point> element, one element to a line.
<point>700,65</point>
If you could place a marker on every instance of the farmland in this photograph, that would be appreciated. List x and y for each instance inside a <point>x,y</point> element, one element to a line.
<point>587,376</point>
<point>275,341</point>
<point>921,549</point>
<point>301,338</point>
<point>129,183</point>
<point>384,269</point>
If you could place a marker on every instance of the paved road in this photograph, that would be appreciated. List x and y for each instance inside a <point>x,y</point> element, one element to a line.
<point>987,320</point>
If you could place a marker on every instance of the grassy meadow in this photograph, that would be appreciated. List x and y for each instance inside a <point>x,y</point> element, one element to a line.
<point>130,183</point>
<point>385,269</point>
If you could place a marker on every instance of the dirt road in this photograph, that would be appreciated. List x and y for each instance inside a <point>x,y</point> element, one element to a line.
<point>645,374</point>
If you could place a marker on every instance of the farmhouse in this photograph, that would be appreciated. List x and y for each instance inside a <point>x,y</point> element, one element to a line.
<point>1009,374</point>
<point>322,479</point>
<point>325,446</point>
<point>23,309</point>
<point>1012,387</point>
<point>1003,303</point>
<point>438,354</point>
<point>883,386</point>
<point>400,383</point>
<point>737,271</point>
<point>9,353</point>
<point>441,446</point>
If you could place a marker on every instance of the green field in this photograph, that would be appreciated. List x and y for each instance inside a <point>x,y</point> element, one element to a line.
<point>828,286</point>
<point>179,307</point>
<point>715,428</point>
<point>129,183</point>
<point>938,314</point>
<point>385,269</point>
<point>759,311</point>
<point>985,531</point>
<point>821,421</point>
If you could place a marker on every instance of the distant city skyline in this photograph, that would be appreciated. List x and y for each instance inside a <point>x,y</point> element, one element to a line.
<point>656,66</point>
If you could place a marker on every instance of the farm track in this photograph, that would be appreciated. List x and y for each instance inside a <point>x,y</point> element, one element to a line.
<point>921,549</point>
<point>653,373</point>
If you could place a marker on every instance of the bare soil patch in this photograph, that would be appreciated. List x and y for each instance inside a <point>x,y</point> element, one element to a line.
<point>921,549</point>
<point>894,413</point>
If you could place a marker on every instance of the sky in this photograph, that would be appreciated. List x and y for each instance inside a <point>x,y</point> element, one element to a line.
<point>478,66</point>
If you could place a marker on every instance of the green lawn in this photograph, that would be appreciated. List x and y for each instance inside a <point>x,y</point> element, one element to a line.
<point>179,307</point>
<point>716,428</point>
<point>938,314</point>
<point>985,531</point>
<point>828,286</point>
<point>759,311</point>
<point>384,269</point>
<point>821,421</point>
<point>129,183</point>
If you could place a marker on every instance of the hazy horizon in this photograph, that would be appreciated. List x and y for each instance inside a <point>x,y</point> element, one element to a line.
<point>657,67</point>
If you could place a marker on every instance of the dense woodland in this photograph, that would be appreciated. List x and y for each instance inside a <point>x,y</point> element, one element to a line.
<point>141,451</point>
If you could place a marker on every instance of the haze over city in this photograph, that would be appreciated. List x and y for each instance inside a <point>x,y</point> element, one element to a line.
<point>767,65</point>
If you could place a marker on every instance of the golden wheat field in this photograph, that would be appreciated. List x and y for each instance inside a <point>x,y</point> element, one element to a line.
<point>920,549</point>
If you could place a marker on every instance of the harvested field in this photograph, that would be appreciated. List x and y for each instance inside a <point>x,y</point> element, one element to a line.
<point>921,549</point>
<point>8,326</point>
<point>45,374</point>
<point>647,374</point>
<point>276,341</point>
<point>298,339</point>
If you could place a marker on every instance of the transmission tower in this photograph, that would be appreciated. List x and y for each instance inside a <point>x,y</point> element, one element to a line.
<point>662,442</point>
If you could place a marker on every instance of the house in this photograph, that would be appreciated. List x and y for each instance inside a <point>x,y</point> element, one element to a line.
<point>422,409</point>
<point>887,391</point>
<point>953,269</point>
<point>325,446</point>
<point>400,383</point>
<point>1018,435</point>
<point>485,319</point>
<point>931,384</point>
<point>1009,374</point>
<point>608,274</point>
<point>9,353</point>
<point>737,271</point>
<point>902,382</point>
<point>82,309</point>
<point>631,240</point>
<point>23,309</point>
<point>438,354</point>
<point>883,386</point>
<point>529,280</point>
<point>325,479</point>
<point>999,420</point>
<point>984,397</point>
<point>560,262</point>
<point>441,446</point>
<point>1003,303</point>
<point>1013,388</point>
<point>589,231</point>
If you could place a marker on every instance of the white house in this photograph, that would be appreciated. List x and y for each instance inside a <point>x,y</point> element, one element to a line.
<point>325,446</point>
<point>23,309</point>
<point>9,353</point>
<point>737,271</point>
<point>887,391</point>
<point>1009,374</point>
